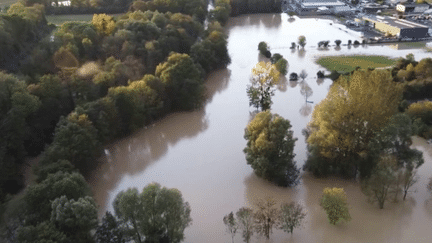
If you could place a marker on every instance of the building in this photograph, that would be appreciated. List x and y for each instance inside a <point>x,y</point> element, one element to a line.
<point>398,27</point>
<point>322,6</point>
<point>412,8</point>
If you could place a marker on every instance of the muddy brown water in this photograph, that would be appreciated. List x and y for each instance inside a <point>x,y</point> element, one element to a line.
<point>200,152</point>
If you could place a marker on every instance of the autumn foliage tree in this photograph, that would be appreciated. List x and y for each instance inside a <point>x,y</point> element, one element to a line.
<point>264,77</point>
<point>334,202</point>
<point>346,120</point>
<point>270,149</point>
<point>104,23</point>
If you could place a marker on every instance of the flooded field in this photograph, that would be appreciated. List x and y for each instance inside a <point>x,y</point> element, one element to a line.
<point>201,152</point>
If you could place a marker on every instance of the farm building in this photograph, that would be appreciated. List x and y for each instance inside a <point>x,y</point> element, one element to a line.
<point>322,6</point>
<point>398,27</point>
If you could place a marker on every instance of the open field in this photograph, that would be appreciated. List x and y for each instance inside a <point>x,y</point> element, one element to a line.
<point>4,3</point>
<point>348,63</point>
<point>60,19</point>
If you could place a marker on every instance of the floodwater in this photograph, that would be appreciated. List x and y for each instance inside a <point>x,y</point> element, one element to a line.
<point>200,153</point>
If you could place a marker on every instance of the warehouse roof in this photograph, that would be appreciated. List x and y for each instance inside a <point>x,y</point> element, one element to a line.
<point>399,23</point>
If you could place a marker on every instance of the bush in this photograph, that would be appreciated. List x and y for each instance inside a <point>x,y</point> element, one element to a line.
<point>275,58</point>
<point>338,42</point>
<point>356,42</point>
<point>263,47</point>
<point>349,42</point>
<point>282,65</point>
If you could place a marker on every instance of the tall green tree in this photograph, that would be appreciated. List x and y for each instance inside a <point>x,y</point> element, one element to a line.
<point>75,217</point>
<point>156,214</point>
<point>183,81</point>
<point>38,197</point>
<point>270,149</point>
<point>110,230</point>
<point>334,202</point>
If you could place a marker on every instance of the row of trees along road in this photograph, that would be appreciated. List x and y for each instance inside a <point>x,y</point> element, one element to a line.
<point>85,84</point>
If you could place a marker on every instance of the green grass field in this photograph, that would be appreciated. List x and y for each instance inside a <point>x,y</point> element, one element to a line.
<point>60,19</point>
<point>4,3</point>
<point>348,63</point>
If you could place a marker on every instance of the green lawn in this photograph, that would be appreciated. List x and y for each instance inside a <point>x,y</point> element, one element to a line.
<point>4,3</point>
<point>348,63</point>
<point>60,19</point>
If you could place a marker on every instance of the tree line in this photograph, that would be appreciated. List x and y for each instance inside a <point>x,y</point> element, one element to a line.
<point>80,87</point>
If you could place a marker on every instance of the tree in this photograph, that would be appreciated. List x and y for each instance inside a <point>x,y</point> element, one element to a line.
<point>156,214</point>
<point>291,216</point>
<point>38,197</point>
<point>109,231</point>
<point>75,140</point>
<point>344,123</point>
<point>263,47</point>
<point>383,180</point>
<point>266,217</point>
<point>246,222</point>
<point>104,23</point>
<point>301,41</point>
<point>231,224</point>
<point>264,77</point>
<point>334,202</point>
<point>409,178</point>
<point>270,148</point>
<point>281,66</point>
<point>183,81</point>
<point>75,217</point>
<point>41,233</point>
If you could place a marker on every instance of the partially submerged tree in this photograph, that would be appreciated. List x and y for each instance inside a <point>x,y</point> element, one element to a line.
<point>291,216</point>
<point>301,41</point>
<point>157,214</point>
<point>231,224</point>
<point>246,222</point>
<point>270,149</point>
<point>263,47</point>
<point>344,123</point>
<point>382,181</point>
<point>266,217</point>
<point>263,79</point>
<point>334,202</point>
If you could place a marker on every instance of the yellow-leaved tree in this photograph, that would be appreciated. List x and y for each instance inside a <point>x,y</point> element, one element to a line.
<point>334,202</point>
<point>343,123</point>
<point>264,77</point>
<point>104,23</point>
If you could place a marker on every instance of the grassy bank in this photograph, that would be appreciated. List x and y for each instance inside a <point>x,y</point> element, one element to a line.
<point>60,19</point>
<point>349,63</point>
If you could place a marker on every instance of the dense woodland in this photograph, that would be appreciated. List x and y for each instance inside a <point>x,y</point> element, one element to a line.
<point>65,91</point>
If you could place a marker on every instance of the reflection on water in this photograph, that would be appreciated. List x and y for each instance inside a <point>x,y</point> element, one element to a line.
<point>201,152</point>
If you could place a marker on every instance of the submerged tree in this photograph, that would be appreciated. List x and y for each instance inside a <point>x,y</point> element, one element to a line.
<point>231,224</point>
<point>334,202</point>
<point>270,149</point>
<point>382,182</point>
<point>291,216</point>
<point>266,217</point>
<point>264,77</point>
<point>246,222</point>
<point>344,123</point>
<point>301,41</point>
